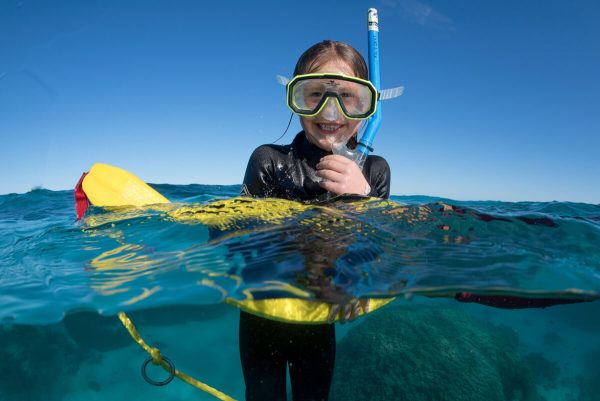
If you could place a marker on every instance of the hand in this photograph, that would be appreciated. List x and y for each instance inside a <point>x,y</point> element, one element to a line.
<point>348,311</point>
<point>341,175</point>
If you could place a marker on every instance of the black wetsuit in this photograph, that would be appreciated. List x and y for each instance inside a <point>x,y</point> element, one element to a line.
<point>266,346</point>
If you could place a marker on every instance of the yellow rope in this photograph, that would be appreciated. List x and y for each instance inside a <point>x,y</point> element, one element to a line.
<point>157,359</point>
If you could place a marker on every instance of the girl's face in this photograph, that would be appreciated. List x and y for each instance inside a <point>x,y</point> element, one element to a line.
<point>323,131</point>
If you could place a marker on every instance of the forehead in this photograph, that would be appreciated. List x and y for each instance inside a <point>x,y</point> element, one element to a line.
<point>335,67</point>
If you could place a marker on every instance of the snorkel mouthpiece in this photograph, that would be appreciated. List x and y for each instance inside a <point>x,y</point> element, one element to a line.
<point>366,140</point>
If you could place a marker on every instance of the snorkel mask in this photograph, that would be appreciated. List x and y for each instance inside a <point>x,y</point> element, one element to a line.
<point>311,94</point>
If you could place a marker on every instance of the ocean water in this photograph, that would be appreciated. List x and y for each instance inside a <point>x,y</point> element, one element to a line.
<point>170,267</point>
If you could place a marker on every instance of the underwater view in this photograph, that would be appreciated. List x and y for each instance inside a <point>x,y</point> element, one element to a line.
<point>489,300</point>
<point>311,280</point>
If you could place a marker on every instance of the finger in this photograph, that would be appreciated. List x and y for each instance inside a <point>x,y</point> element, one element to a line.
<point>366,305</point>
<point>335,309</point>
<point>340,163</point>
<point>347,312</point>
<point>335,165</point>
<point>339,158</point>
<point>330,175</point>
<point>355,310</point>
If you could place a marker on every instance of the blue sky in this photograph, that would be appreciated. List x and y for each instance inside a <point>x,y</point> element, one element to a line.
<point>501,97</point>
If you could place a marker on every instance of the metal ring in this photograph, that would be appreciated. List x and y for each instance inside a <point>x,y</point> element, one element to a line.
<point>164,382</point>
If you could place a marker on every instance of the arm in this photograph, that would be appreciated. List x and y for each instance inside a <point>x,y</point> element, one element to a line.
<point>378,174</point>
<point>343,176</point>
<point>258,180</point>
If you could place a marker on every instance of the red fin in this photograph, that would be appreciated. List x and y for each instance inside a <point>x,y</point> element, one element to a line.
<point>81,201</point>
<point>512,302</point>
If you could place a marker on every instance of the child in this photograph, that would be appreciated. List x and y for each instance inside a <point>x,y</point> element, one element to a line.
<point>331,94</point>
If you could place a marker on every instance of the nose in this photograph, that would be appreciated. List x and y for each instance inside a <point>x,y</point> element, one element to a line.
<point>331,111</point>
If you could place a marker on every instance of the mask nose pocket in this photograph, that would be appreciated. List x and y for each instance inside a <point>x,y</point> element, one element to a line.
<point>331,111</point>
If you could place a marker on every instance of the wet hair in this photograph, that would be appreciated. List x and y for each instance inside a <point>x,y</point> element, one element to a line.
<point>327,50</point>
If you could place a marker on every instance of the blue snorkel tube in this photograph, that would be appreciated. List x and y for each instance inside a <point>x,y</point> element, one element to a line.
<point>359,155</point>
<point>366,141</point>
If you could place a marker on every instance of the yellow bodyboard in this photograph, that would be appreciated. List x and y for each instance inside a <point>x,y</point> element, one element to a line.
<point>106,185</point>
<point>294,310</point>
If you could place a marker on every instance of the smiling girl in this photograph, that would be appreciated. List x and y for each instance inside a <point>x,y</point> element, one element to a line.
<point>331,93</point>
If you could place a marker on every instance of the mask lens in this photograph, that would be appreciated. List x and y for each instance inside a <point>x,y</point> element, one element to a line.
<point>307,95</point>
<point>356,97</point>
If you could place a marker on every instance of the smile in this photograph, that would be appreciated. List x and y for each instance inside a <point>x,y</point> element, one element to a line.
<point>329,127</point>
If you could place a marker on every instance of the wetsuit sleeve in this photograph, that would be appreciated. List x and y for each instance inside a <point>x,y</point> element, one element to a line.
<point>378,176</point>
<point>258,180</point>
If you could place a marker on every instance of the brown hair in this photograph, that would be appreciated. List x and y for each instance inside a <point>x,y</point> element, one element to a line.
<point>328,50</point>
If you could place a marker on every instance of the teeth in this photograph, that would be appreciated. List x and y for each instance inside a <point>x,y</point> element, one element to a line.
<point>329,127</point>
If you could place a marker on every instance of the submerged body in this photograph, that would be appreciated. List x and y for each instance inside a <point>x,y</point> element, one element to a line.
<point>267,347</point>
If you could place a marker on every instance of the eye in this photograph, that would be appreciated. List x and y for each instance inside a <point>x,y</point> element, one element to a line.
<point>347,95</point>
<point>315,94</point>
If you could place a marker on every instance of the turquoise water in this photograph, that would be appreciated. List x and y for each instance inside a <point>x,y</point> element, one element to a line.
<point>62,281</point>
